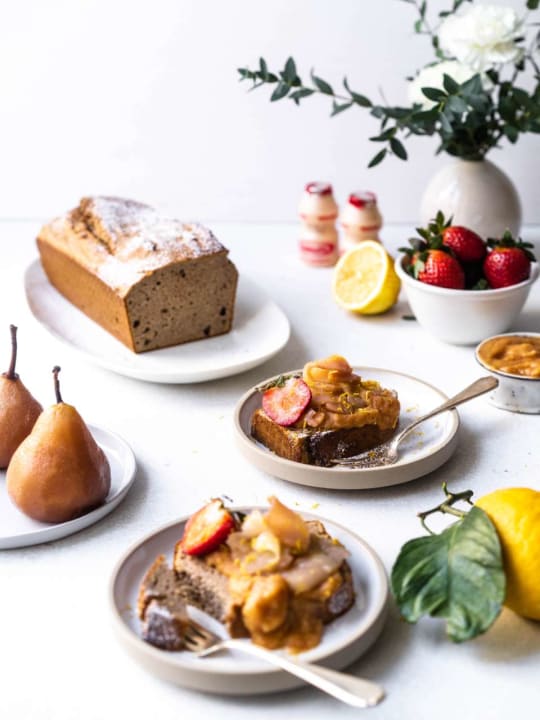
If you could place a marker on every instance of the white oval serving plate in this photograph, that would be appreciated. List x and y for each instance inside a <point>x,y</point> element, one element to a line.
<point>17,530</point>
<point>233,673</point>
<point>260,330</point>
<point>423,451</point>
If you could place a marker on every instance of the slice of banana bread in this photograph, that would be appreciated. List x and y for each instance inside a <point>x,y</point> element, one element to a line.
<point>161,606</point>
<point>315,447</point>
<point>150,281</point>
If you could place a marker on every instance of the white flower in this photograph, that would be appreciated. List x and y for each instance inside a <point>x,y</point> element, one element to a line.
<point>483,37</point>
<point>432,76</point>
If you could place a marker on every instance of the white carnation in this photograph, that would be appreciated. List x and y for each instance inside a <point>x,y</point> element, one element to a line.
<point>432,76</point>
<point>482,37</point>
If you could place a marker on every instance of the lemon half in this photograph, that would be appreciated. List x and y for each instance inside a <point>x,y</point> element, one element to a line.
<point>365,281</point>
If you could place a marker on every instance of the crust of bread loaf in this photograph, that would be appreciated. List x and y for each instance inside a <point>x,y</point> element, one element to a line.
<point>315,447</point>
<point>147,294</point>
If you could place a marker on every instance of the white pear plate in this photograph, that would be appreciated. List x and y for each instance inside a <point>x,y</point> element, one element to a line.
<point>424,451</point>
<point>260,329</point>
<point>17,530</point>
<point>234,673</point>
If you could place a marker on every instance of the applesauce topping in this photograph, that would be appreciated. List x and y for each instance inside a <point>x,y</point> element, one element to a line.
<point>341,399</point>
<point>281,570</point>
<point>512,354</point>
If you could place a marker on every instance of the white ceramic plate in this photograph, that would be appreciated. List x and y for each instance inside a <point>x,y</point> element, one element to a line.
<point>232,672</point>
<point>425,450</point>
<point>18,530</point>
<point>260,330</point>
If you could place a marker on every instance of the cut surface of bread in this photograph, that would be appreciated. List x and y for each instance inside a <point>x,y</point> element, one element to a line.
<point>315,447</point>
<point>161,606</point>
<point>150,281</point>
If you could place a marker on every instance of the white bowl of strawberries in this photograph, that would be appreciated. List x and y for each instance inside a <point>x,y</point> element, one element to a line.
<point>462,288</point>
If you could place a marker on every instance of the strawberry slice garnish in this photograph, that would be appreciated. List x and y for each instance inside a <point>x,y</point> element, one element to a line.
<point>207,529</point>
<point>285,401</point>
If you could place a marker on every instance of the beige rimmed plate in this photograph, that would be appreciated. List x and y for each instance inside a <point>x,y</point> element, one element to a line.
<point>423,451</point>
<point>233,673</point>
<point>17,530</point>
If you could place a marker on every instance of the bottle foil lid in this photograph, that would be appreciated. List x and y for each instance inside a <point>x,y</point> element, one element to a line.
<point>319,188</point>
<point>362,198</point>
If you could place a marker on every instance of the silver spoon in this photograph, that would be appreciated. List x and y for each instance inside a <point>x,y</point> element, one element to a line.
<point>387,453</point>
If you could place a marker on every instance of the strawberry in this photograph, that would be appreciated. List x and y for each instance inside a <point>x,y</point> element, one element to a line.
<point>207,529</point>
<point>468,247</point>
<point>286,400</point>
<point>438,267</point>
<point>509,261</point>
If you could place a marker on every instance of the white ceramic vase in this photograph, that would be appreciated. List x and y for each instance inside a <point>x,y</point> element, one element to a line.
<point>477,194</point>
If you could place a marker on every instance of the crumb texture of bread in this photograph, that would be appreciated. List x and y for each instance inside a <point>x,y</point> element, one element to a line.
<point>150,281</point>
<point>315,447</point>
<point>161,607</point>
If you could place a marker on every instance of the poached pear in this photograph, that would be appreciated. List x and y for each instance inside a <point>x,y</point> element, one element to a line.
<point>58,472</point>
<point>19,410</point>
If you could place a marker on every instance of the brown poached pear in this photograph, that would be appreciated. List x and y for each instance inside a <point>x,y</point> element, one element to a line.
<point>58,472</point>
<point>19,410</point>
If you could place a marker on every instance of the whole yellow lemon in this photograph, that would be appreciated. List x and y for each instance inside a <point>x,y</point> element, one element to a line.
<point>515,512</point>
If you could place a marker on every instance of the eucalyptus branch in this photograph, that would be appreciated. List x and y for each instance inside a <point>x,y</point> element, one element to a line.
<point>469,118</point>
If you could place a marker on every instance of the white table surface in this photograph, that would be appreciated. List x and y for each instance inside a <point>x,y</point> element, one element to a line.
<point>58,657</point>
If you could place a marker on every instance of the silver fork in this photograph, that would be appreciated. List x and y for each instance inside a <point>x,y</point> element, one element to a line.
<point>347,688</point>
<point>387,453</point>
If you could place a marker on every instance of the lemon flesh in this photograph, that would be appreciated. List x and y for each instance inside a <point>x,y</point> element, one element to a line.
<point>515,512</point>
<point>365,281</point>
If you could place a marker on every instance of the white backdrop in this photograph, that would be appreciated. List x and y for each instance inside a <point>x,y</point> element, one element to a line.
<point>140,98</point>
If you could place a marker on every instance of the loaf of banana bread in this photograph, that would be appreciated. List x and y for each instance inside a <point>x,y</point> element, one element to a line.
<point>150,281</point>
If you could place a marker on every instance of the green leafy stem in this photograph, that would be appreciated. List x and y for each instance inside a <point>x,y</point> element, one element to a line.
<point>470,118</point>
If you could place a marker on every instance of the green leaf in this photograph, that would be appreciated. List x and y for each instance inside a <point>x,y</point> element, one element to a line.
<point>280,92</point>
<point>384,136</point>
<point>450,85</point>
<point>263,69</point>
<point>445,123</point>
<point>472,86</point>
<point>456,104</point>
<point>379,157</point>
<point>297,95</point>
<point>398,149</point>
<point>336,108</point>
<point>289,71</point>
<point>361,100</point>
<point>434,93</point>
<point>322,85</point>
<point>245,73</point>
<point>457,575</point>
<point>511,133</point>
<point>533,4</point>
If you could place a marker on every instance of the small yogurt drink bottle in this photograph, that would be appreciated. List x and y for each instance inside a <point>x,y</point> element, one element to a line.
<point>318,235</point>
<point>360,219</point>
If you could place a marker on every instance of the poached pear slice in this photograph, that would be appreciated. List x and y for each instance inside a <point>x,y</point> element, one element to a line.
<point>58,472</point>
<point>19,410</point>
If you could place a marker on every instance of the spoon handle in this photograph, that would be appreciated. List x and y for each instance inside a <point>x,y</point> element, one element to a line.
<point>350,689</point>
<point>478,387</point>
